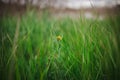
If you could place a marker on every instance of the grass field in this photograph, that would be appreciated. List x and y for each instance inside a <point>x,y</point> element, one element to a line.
<point>41,48</point>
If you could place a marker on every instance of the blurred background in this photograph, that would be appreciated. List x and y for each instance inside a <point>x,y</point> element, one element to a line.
<point>62,8</point>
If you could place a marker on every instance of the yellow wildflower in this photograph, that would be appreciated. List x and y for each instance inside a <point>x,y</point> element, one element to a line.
<point>59,38</point>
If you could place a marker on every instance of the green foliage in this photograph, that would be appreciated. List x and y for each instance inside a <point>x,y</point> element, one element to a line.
<point>89,49</point>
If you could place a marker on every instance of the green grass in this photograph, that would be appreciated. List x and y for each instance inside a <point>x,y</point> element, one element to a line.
<point>29,50</point>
